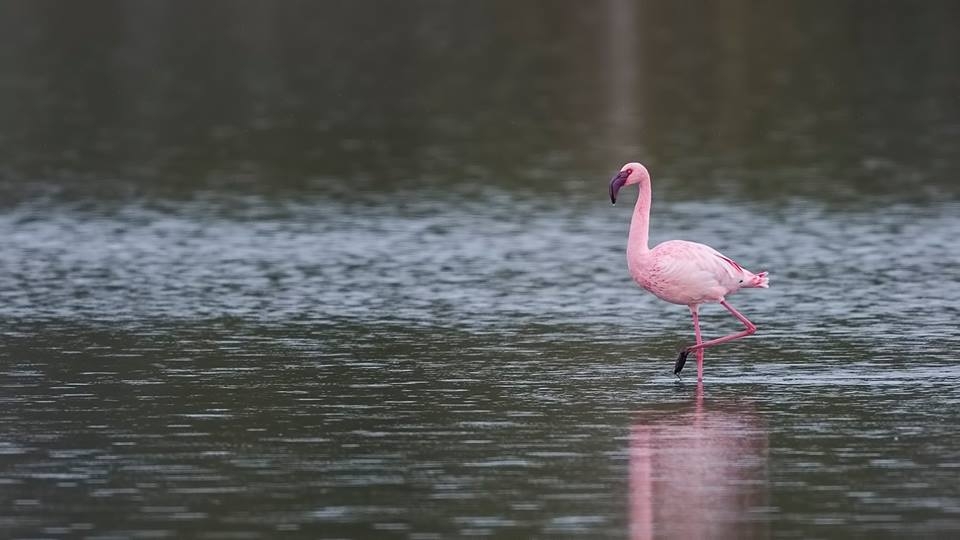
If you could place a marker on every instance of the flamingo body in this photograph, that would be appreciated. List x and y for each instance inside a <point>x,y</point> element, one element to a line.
<point>679,271</point>
<point>685,273</point>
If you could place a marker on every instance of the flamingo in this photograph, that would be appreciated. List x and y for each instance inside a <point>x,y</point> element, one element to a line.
<point>682,272</point>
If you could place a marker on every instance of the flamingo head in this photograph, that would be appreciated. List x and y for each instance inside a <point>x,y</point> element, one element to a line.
<point>631,173</point>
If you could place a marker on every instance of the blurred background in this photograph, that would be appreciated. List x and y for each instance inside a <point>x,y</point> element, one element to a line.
<point>349,269</point>
<point>736,98</point>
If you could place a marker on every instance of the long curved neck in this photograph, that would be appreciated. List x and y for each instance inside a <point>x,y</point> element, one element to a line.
<point>640,223</point>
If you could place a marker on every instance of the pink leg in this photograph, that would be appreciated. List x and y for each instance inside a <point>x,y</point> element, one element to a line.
<point>695,311</point>
<point>751,328</point>
<point>682,359</point>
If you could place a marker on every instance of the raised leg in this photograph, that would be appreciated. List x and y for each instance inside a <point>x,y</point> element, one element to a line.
<point>750,329</point>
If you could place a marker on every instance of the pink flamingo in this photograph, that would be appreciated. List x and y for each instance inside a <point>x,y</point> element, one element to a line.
<point>682,272</point>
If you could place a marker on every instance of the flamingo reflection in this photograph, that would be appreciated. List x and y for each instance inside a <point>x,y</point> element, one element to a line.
<point>699,472</point>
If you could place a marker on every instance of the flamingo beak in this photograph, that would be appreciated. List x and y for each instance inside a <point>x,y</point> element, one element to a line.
<point>616,183</point>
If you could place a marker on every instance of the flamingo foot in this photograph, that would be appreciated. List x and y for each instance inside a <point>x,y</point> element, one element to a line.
<point>681,360</point>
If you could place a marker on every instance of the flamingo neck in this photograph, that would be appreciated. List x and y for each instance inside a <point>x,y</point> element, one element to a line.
<point>640,223</point>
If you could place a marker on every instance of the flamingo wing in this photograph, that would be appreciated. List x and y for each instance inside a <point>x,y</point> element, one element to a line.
<point>690,273</point>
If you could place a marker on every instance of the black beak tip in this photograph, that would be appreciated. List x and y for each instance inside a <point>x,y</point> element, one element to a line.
<point>615,184</point>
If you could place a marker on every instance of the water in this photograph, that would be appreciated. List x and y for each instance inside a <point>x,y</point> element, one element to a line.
<point>251,289</point>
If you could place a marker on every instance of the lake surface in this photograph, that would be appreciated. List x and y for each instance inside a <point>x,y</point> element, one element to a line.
<point>352,272</point>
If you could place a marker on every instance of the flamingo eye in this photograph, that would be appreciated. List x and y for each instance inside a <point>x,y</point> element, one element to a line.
<point>629,172</point>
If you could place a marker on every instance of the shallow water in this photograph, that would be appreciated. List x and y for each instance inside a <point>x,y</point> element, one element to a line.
<point>315,367</point>
<point>247,312</point>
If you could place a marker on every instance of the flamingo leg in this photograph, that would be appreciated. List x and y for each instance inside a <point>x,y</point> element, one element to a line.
<point>701,345</point>
<point>695,313</point>
<point>696,332</point>
<point>750,329</point>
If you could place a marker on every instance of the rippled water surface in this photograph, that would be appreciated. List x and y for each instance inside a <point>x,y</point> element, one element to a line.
<point>276,282</point>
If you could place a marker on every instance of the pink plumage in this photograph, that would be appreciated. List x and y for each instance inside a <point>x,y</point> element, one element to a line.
<point>682,272</point>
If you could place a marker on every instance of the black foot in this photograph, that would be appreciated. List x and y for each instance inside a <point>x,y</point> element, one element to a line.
<point>681,360</point>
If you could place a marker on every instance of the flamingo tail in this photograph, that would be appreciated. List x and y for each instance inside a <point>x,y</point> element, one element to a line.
<point>761,281</point>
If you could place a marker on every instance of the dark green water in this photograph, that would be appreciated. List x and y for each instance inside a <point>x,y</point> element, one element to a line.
<point>349,270</point>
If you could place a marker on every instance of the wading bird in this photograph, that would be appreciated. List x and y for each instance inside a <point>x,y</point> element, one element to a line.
<point>681,272</point>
